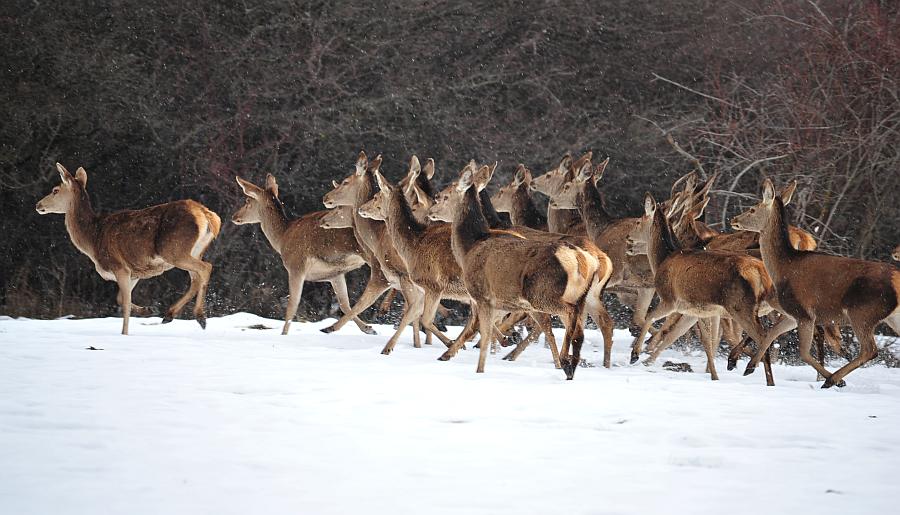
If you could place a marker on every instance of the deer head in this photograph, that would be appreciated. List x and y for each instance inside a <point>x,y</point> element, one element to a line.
<point>340,217</point>
<point>63,197</point>
<point>567,198</point>
<point>259,202</point>
<point>345,193</point>
<point>553,180</point>
<point>756,218</point>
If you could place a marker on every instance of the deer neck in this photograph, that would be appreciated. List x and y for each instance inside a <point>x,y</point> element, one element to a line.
<point>274,224</point>
<point>661,244</point>
<point>523,211</point>
<point>402,226</point>
<point>488,212</point>
<point>83,225</point>
<point>774,241</point>
<point>596,219</point>
<point>469,225</point>
<point>366,230</point>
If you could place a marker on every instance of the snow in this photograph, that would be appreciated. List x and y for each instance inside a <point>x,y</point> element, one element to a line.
<point>233,420</point>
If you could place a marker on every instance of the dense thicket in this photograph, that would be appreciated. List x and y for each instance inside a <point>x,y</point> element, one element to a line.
<point>164,100</point>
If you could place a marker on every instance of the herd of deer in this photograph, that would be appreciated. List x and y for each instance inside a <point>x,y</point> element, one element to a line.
<point>454,245</point>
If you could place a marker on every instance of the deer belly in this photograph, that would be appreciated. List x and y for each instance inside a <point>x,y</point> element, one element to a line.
<point>699,309</point>
<point>150,268</point>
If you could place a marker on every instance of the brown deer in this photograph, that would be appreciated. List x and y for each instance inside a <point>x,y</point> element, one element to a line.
<point>632,279</point>
<point>816,288</point>
<point>424,249</point>
<point>372,235</point>
<point>127,246</point>
<point>506,273</point>
<point>515,199</point>
<point>444,210</point>
<point>559,219</point>
<point>704,286</point>
<point>308,251</point>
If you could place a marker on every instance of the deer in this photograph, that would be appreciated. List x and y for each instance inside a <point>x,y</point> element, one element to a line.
<point>308,251</point>
<point>559,219</point>
<point>896,254</point>
<point>130,245</point>
<point>515,199</point>
<point>704,286</point>
<point>506,273</point>
<point>354,191</point>
<point>424,249</point>
<point>814,288</point>
<point>632,279</point>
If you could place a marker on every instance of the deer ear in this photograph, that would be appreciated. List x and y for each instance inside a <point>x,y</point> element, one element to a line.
<point>598,172</point>
<point>768,192</point>
<point>565,163</point>
<point>81,176</point>
<point>249,189</point>
<point>483,177</point>
<point>465,180</point>
<point>414,166</point>
<point>271,184</point>
<point>788,192</point>
<point>649,204</point>
<point>334,184</point>
<point>585,171</point>
<point>375,164</point>
<point>520,177</point>
<point>64,174</point>
<point>429,168</point>
<point>362,162</point>
<point>382,182</point>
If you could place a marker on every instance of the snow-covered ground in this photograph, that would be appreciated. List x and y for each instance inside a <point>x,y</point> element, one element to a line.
<point>234,420</point>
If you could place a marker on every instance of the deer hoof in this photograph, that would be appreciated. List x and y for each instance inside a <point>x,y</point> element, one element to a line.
<point>166,319</point>
<point>367,329</point>
<point>202,321</point>
<point>569,367</point>
<point>330,329</point>
<point>635,357</point>
<point>829,383</point>
<point>440,326</point>
<point>387,352</point>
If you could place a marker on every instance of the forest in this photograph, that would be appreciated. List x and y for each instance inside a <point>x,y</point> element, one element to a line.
<point>168,100</point>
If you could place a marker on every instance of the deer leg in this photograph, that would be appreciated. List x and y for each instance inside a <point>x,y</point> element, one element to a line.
<point>126,284</point>
<point>709,332</point>
<point>486,328</point>
<point>412,309</point>
<point>764,341</point>
<point>670,322</point>
<point>641,307</point>
<point>296,278</point>
<point>819,342</point>
<point>661,310</point>
<point>834,339</point>
<point>605,324</point>
<point>386,302</point>
<point>203,271</point>
<point>467,334</point>
<point>374,288</point>
<point>432,301</point>
<point>865,333</point>
<point>805,329</point>
<point>522,345</point>
<point>574,338</point>
<point>175,310</point>
<point>682,326</point>
<point>339,285</point>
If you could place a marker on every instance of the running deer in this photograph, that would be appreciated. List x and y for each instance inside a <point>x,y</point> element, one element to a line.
<point>703,286</point>
<point>559,219</point>
<point>515,199</point>
<point>127,246</point>
<point>372,236</point>
<point>632,279</point>
<point>816,288</point>
<point>506,273</point>
<point>424,249</point>
<point>444,210</point>
<point>308,251</point>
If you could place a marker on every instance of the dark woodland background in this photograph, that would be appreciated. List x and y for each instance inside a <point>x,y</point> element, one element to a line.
<point>162,101</point>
